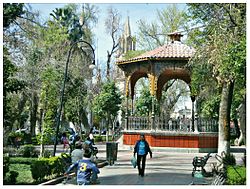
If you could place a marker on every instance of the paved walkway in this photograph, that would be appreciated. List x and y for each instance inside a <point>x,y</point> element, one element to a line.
<point>165,168</point>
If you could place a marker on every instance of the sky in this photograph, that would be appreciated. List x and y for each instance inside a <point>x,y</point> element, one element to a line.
<point>135,11</point>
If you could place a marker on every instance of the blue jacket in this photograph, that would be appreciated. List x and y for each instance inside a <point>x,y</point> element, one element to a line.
<point>84,170</point>
<point>147,148</point>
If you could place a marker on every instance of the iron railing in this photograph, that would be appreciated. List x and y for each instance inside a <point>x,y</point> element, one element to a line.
<point>166,124</point>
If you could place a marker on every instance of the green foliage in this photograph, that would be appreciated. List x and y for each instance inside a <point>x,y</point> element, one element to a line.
<point>47,136</point>
<point>154,34</point>
<point>28,151</point>
<point>68,19</point>
<point>10,85</point>
<point>236,175</point>
<point>10,12</point>
<point>6,164</point>
<point>47,167</point>
<point>133,54</point>
<point>21,160</point>
<point>220,57</point>
<point>229,159</point>
<point>43,166</point>
<point>13,176</point>
<point>108,102</point>
<point>210,107</point>
<point>24,176</point>
<point>143,104</point>
<point>98,138</point>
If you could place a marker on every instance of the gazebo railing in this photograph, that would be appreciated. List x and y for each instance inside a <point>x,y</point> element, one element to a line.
<point>138,123</point>
<point>166,124</point>
<point>207,125</point>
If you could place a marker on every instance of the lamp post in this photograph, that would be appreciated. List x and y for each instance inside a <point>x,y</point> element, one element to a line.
<point>63,87</point>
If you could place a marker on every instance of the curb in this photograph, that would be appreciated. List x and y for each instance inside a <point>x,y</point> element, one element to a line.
<point>61,178</point>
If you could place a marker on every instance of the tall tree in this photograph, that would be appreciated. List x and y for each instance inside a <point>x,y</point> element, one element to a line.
<point>152,35</point>
<point>107,104</point>
<point>224,51</point>
<point>113,27</point>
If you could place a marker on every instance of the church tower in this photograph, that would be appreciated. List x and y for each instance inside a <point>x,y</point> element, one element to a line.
<point>126,41</point>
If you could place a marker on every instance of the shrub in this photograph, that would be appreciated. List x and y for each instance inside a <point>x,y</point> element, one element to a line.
<point>28,151</point>
<point>229,159</point>
<point>34,140</point>
<point>6,163</point>
<point>13,152</point>
<point>13,135</point>
<point>47,167</point>
<point>13,176</point>
<point>46,154</point>
<point>236,175</point>
<point>40,168</point>
<point>98,138</point>
<point>21,160</point>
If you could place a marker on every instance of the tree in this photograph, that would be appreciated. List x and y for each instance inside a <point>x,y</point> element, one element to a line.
<point>107,103</point>
<point>10,12</point>
<point>152,35</point>
<point>224,52</point>
<point>113,27</point>
<point>11,84</point>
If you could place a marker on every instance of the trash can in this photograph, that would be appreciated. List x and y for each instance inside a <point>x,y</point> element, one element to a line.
<point>111,152</point>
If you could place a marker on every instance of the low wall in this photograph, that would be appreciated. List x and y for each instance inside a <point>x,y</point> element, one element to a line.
<point>202,142</point>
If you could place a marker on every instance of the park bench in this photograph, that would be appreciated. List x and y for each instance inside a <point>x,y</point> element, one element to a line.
<point>199,172</point>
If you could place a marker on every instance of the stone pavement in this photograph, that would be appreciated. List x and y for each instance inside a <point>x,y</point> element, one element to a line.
<point>165,168</point>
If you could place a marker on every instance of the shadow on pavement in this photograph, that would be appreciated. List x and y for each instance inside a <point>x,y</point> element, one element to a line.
<point>148,179</point>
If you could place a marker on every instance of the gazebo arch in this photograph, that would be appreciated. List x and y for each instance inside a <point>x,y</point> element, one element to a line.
<point>168,74</point>
<point>159,66</point>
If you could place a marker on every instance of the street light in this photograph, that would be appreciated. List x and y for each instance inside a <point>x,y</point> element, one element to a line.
<point>63,87</point>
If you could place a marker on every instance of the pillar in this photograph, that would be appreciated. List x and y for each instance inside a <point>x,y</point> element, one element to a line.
<point>153,114</point>
<point>127,96</point>
<point>193,99</point>
<point>153,88</point>
<point>126,115</point>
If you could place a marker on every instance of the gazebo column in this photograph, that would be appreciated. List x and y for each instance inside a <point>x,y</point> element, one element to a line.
<point>153,89</point>
<point>153,114</point>
<point>127,97</point>
<point>194,129</point>
<point>132,105</point>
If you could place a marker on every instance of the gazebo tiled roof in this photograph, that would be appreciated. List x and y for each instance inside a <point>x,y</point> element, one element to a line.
<point>173,50</point>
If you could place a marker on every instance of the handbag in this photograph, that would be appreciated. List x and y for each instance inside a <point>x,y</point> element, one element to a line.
<point>134,162</point>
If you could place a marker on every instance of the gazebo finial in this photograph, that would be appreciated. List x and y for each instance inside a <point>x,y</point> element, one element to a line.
<point>175,36</point>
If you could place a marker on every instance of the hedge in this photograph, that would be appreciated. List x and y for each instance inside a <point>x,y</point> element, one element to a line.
<point>21,160</point>
<point>236,175</point>
<point>44,167</point>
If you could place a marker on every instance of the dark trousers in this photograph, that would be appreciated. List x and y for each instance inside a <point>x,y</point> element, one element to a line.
<point>141,168</point>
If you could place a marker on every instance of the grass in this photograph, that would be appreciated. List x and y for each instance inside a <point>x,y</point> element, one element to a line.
<point>24,176</point>
<point>237,177</point>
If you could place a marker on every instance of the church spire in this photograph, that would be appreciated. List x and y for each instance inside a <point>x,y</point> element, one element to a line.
<point>127,31</point>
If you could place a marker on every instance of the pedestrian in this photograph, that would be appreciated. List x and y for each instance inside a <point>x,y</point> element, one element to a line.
<point>77,153</point>
<point>86,170</point>
<point>142,149</point>
<point>65,142</point>
<point>91,136</point>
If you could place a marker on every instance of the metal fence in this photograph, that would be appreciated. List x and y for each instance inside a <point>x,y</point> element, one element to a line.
<point>166,124</point>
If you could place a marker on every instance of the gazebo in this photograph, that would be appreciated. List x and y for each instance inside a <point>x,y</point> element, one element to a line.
<point>159,66</point>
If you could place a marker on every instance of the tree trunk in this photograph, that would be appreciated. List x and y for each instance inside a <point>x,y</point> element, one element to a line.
<point>108,64</point>
<point>224,117</point>
<point>33,113</point>
<point>107,130</point>
<point>21,105</point>
<point>242,119</point>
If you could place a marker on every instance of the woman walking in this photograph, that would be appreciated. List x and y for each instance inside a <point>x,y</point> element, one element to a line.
<point>142,149</point>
